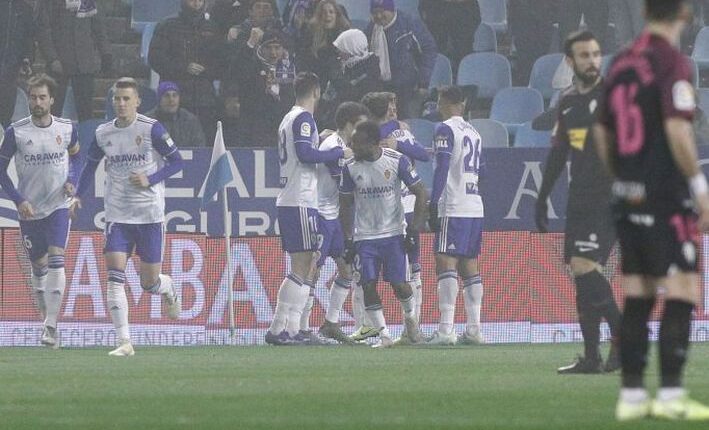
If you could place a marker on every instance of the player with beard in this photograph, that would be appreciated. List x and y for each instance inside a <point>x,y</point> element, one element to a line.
<point>46,152</point>
<point>589,235</point>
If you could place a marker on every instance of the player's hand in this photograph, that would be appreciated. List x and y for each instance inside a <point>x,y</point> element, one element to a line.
<point>74,207</point>
<point>404,126</point>
<point>434,223</point>
<point>255,37</point>
<point>69,189</point>
<point>326,133</point>
<point>233,34</point>
<point>388,142</point>
<point>139,180</point>
<point>540,215</point>
<point>410,239</point>
<point>25,210</point>
<point>195,69</point>
<point>347,153</point>
<point>350,251</point>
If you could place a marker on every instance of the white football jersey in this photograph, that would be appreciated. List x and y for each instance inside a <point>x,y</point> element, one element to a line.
<point>376,185</point>
<point>299,181</point>
<point>460,195</point>
<point>42,162</point>
<point>328,180</point>
<point>139,147</point>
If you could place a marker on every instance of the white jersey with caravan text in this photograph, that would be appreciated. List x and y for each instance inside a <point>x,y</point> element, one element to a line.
<point>328,180</point>
<point>42,162</point>
<point>299,181</point>
<point>376,185</point>
<point>139,147</point>
<point>460,196</point>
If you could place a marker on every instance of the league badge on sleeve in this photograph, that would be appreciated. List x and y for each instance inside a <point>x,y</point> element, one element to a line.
<point>166,137</point>
<point>683,96</point>
<point>305,130</point>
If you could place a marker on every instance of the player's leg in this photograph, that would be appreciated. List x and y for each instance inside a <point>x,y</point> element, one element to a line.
<point>299,240</point>
<point>447,296</point>
<point>149,242</point>
<point>472,298</point>
<point>118,247</point>
<point>394,258</point>
<point>682,293</point>
<point>414,256</point>
<point>34,243</point>
<point>295,315</point>
<point>338,295</point>
<point>57,228</point>
<point>369,262</point>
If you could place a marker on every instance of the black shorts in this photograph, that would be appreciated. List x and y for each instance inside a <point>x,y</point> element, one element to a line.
<point>657,246</point>
<point>589,235</point>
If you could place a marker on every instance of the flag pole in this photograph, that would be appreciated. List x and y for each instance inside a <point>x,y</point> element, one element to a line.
<point>227,246</point>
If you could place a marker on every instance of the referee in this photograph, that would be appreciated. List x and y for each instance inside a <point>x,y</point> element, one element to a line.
<point>589,234</point>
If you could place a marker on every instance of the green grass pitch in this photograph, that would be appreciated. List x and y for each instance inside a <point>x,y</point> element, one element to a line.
<point>490,387</point>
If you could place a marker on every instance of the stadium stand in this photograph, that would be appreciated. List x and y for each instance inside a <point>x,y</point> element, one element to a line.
<point>493,133</point>
<point>144,12</point>
<point>515,106</point>
<point>700,52</point>
<point>543,74</point>
<point>485,39</point>
<point>442,73</point>
<point>489,71</point>
<point>494,13</point>
<point>69,107</point>
<point>528,137</point>
<point>22,109</point>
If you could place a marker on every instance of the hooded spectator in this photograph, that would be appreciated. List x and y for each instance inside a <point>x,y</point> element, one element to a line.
<point>184,128</point>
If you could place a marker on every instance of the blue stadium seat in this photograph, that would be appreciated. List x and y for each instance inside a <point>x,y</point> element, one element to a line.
<point>694,67</point>
<point>146,11</point>
<point>543,74</point>
<point>494,13</point>
<point>700,53</point>
<point>356,9</point>
<point>145,39</point>
<point>489,71</point>
<point>485,39</point>
<point>148,100</point>
<point>515,106</point>
<point>493,133</point>
<point>69,108</point>
<point>527,137</point>
<point>442,73</point>
<point>423,130</point>
<point>22,107</point>
<point>281,6</point>
<point>703,101</point>
<point>554,101</point>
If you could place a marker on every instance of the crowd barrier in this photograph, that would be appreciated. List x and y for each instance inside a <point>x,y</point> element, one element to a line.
<point>529,296</point>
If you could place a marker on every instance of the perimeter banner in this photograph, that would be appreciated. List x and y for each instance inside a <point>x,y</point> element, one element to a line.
<point>529,296</point>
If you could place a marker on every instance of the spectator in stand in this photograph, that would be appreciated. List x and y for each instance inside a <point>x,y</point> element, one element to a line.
<point>358,75</point>
<point>232,126</point>
<point>263,16</point>
<point>315,52</point>
<point>228,14</point>
<point>297,14</point>
<point>265,79</point>
<point>187,50</point>
<point>16,45</point>
<point>183,126</point>
<point>531,25</point>
<point>628,16</point>
<point>73,43</point>
<point>406,51</point>
<point>595,14</point>
<point>452,24</point>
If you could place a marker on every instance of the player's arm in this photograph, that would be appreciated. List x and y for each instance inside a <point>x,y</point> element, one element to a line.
<point>412,148</point>
<point>74,163</point>
<point>7,151</point>
<point>347,204</point>
<point>165,146</point>
<point>303,128</point>
<point>410,178</point>
<point>604,139</point>
<point>556,161</point>
<point>443,142</point>
<point>94,157</point>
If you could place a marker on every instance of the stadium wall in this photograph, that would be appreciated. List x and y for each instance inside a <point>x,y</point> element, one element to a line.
<point>529,296</point>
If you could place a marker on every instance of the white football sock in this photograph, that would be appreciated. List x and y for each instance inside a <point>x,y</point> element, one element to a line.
<point>667,394</point>
<point>56,284</point>
<point>307,310</point>
<point>377,318</point>
<point>473,296</point>
<point>287,294</point>
<point>299,299</point>
<point>633,395</point>
<point>118,307</point>
<point>418,294</point>
<point>360,314</point>
<point>39,285</point>
<point>408,305</point>
<point>447,295</point>
<point>338,294</point>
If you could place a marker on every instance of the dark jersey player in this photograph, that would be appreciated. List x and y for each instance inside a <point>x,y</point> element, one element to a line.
<point>589,226</point>
<point>645,136</point>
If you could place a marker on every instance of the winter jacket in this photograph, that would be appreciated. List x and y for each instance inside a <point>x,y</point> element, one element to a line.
<point>412,51</point>
<point>16,35</point>
<point>78,43</point>
<point>184,128</point>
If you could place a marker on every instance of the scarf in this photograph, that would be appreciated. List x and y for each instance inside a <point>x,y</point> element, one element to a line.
<point>83,8</point>
<point>380,47</point>
<point>353,43</point>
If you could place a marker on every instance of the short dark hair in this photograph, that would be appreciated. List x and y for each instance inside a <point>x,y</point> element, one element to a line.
<point>378,103</point>
<point>305,84</point>
<point>367,131</point>
<point>42,80</point>
<point>126,82</point>
<point>452,94</point>
<point>349,113</point>
<point>663,10</point>
<point>575,37</point>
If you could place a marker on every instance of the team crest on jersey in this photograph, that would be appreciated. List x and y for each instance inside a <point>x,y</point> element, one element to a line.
<point>29,142</point>
<point>138,140</point>
<point>387,174</point>
<point>359,178</point>
<point>59,140</point>
<point>305,130</point>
